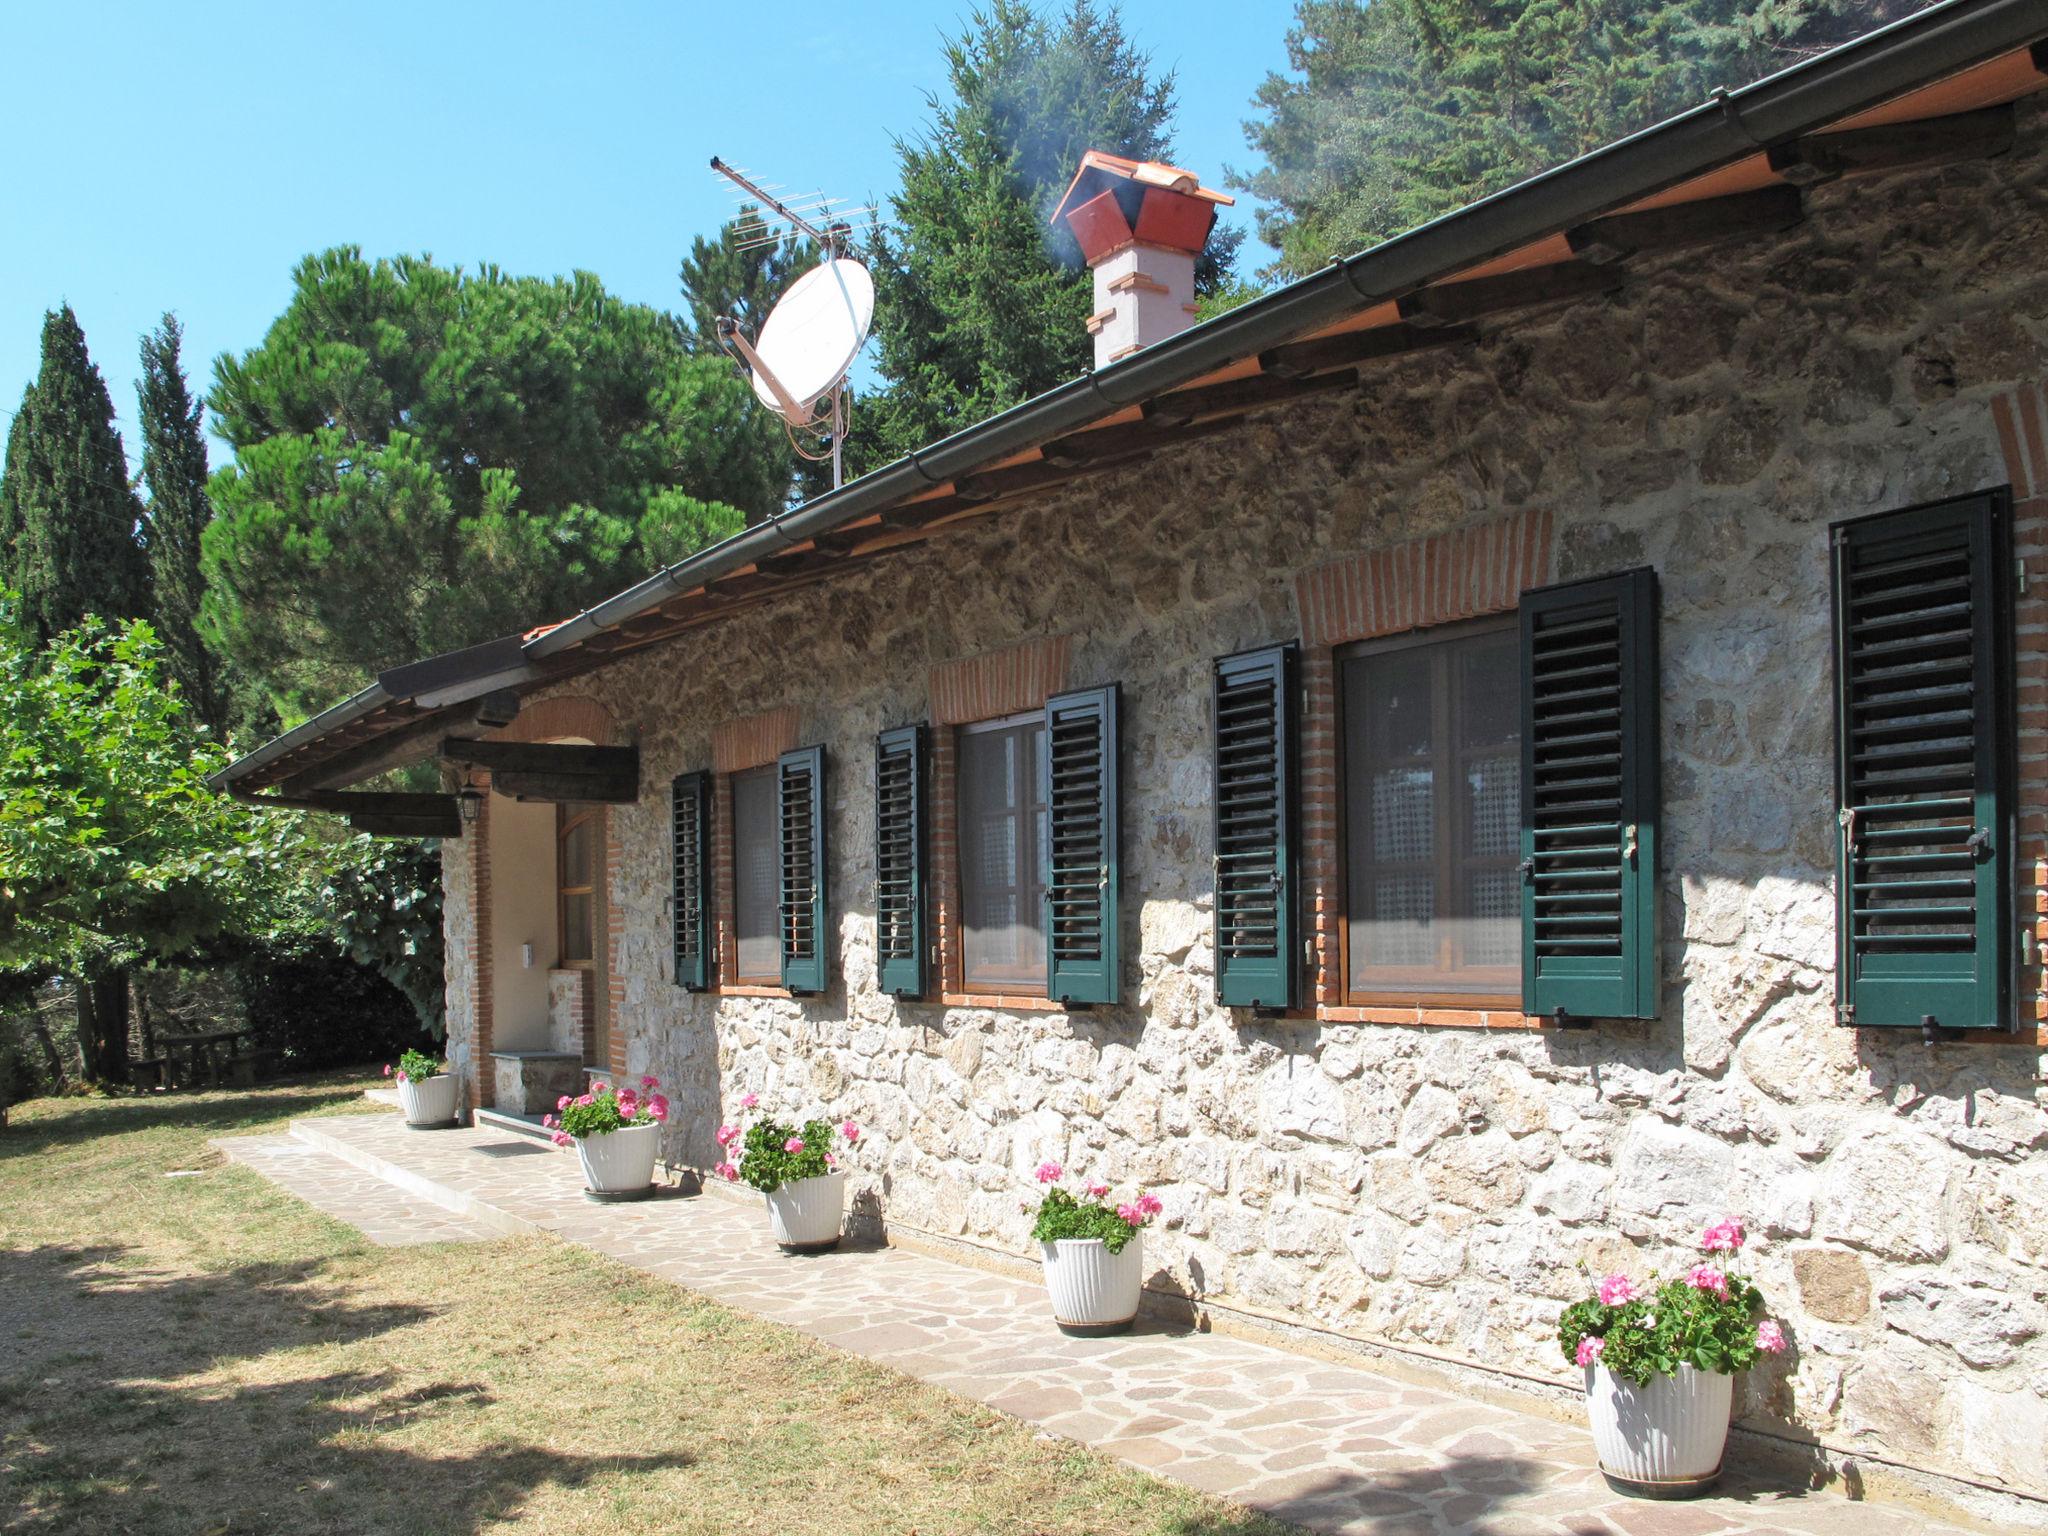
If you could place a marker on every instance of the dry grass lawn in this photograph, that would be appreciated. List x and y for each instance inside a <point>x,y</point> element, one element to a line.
<point>206,1355</point>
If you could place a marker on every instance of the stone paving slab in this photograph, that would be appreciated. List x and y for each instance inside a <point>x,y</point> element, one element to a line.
<point>1335,1447</point>
<point>383,1213</point>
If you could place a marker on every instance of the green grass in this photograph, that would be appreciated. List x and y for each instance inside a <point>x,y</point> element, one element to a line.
<point>206,1354</point>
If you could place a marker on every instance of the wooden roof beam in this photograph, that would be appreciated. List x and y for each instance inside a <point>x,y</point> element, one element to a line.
<point>1132,437</point>
<point>1458,303</point>
<point>1819,157</point>
<point>1654,230</point>
<point>1305,359</point>
<point>1234,396</point>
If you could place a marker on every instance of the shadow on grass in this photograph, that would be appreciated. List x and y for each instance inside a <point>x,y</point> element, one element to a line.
<point>211,1114</point>
<point>116,1414</point>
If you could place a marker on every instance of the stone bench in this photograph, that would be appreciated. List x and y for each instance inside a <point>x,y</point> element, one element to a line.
<point>529,1082</point>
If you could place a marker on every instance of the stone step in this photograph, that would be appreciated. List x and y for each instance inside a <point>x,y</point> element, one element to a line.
<point>316,1134</point>
<point>519,1125</point>
<point>383,1213</point>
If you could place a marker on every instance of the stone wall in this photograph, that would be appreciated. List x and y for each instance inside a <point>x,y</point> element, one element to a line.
<point>1425,1188</point>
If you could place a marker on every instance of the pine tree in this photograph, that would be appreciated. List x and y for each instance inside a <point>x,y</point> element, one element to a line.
<point>980,303</point>
<point>174,469</point>
<point>68,518</point>
<point>718,277</point>
<point>1394,112</point>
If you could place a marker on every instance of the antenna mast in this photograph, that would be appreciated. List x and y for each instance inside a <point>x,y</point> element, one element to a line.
<point>809,355</point>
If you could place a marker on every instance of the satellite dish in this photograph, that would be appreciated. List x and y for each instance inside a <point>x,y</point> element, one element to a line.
<point>812,337</point>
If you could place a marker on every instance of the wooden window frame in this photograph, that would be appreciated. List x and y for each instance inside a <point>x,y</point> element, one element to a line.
<point>567,818</point>
<point>1422,995</point>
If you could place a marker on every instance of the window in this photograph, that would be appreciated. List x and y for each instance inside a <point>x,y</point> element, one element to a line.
<point>756,871</point>
<point>576,829</point>
<point>1433,805</point>
<point>1002,837</point>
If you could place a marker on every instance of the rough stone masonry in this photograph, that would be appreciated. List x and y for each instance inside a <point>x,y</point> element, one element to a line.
<point>1430,1189</point>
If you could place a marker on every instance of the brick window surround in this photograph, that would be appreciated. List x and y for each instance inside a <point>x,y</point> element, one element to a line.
<point>753,741</point>
<point>2021,418</point>
<point>1466,573</point>
<point>986,687</point>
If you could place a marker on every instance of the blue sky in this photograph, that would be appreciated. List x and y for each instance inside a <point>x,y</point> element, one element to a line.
<point>170,157</point>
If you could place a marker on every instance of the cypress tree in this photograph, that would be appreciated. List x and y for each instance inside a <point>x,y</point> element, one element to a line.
<point>174,469</point>
<point>68,517</point>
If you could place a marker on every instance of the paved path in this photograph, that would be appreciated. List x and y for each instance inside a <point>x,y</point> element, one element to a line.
<point>1335,1447</point>
<point>383,1213</point>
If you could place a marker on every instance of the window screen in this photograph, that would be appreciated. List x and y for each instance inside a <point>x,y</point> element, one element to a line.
<point>756,854</point>
<point>1433,786</point>
<point>1002,833</point>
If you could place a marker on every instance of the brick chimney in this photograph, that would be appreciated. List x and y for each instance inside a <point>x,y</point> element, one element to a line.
<point>1140,225</point>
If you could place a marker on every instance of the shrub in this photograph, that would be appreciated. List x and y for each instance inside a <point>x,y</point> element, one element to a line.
<point>605,1110</point>
<point>313,1008</point>
<point>1062,1215</point>
<point>775,1154</point>
<point>1711,1318</point>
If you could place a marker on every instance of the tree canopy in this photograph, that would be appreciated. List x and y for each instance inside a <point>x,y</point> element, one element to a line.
<point>980,303</point>
<point>1394,112</point>
<point>427,457</point>
<point>69,523</point>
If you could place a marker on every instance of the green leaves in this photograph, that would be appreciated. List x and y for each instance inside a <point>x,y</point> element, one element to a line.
<point>768,1163</point>
<point>1060,1215</point>
<point>429,457</point>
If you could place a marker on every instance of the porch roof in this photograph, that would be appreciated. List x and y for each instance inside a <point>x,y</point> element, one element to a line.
<point>1938,85</point>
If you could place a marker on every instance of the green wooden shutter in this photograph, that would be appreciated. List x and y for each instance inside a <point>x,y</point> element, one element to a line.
<point>1253,712</point>
<point>689,799</point>
<point>806,931</point>
<point>1924,765</point>
<point>1080,847</point>
<point>899,860</point>
<point>1590,798</point>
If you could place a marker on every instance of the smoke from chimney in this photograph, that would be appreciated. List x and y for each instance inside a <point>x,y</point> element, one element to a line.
<point>1140,225</point>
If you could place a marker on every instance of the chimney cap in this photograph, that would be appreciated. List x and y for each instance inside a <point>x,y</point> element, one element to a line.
<point>1100,170</point>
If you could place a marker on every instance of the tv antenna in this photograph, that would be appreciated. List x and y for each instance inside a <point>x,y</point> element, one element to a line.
<point>799,362</point>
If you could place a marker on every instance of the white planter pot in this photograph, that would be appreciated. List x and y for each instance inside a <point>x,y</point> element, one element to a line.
<point>619,1165</point>
<point>430,1103</point>
<point>1664,1439</point>
<point>805,1215</point>
<point>1092,1289</point>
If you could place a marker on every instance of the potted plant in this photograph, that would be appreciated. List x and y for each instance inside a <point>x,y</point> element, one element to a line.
<point>1093,1254</point>
<point>427,1091</point>
<point>617,1135</point>
<point>796,1171</point>
<point>1660,1362</point>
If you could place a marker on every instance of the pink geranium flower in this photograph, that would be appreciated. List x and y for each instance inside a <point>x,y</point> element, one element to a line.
<point>1770,1338</point>
<point>850,1131</point>
<point>750,1101</point>
<point>563,1102</point>
<point>1048,1171</point>
<point>1724,1236</point>
<point>650,1082</point>
<point>585,1098</point>
<point>562,1138</point>
<point>794,1144</point>
<point>727,1172</point>
<point>658,1107</point>
<point>1098,1190</point>
<point>831,1161</point>
<point>1590,1349</point>
<point>727,1135</point>
<point>403,1078</point>
<point>1131,1214</point>
<point>1149,1205</point>
<point>1708,1277</point>
<point>387,1069</point>
<point>1617,1290</point>
<point>547,1121</point>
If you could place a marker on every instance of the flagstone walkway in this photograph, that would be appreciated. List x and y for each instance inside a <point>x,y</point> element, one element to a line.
<point>1334,1447</point>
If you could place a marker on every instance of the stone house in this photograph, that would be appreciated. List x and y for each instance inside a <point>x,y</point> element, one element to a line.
<point>1474,764</point>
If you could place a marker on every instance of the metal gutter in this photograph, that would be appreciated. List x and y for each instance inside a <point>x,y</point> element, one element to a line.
<point>1846,80</point>
<point>1805,98</point>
